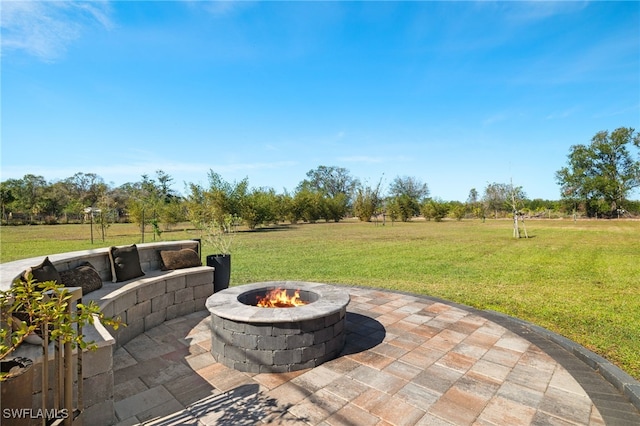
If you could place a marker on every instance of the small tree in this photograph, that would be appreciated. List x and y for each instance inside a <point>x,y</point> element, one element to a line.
<point>457,210</point>
<point>259,207</point>
<point>392,209</point>
<point>516,202</point>
<point>45,306</point>
<point>434,209</point>
<point>367,201</point>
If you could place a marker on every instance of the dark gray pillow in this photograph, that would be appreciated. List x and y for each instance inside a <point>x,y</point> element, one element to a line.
<point>179,259</point>
<point>44,272</point>
<point>125,263</point>
<point>84,276</point>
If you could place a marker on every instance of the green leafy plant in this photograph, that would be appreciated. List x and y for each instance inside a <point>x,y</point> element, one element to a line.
<point>31,307</point>
<point>219,235</point>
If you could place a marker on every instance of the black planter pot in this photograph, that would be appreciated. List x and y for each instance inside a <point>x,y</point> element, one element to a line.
<point>222,273</point>
<point>16,391</point>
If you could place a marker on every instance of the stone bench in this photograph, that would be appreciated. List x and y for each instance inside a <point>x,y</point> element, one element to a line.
<point>142,303</point>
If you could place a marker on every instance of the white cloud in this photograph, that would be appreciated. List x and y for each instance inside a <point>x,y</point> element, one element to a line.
<point>45,29</point>
<point>532,11</point>
<point>220,8</point>
<point>495,118</point>
<point>373,159</point>
<point>562,114</point>
<point>620,111</point>
<point>361,159</point>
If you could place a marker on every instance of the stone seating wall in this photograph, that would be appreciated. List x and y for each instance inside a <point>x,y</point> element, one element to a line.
<point>142,303</point>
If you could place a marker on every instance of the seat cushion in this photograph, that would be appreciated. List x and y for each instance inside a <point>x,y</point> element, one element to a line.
<point>44,272</point>
<point>125,263</point>
<point>179,259</point>
<point>84,276</point>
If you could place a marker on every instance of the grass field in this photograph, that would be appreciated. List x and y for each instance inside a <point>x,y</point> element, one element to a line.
<point>578,279</point>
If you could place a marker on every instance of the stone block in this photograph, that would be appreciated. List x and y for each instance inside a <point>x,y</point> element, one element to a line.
<point>201,303</point>
<point>259,330</point>
<point>203,291</point>
<point>176,283</point>
<point>234,353</point>
<point>160,303</point>
<point>217,347</point>
<point>200,278</point>
<point>139,311</point>
<point>259,357</point>
<point>323,335</point>
<point>125,334</point>
<point>289,356</point>
<point>184,295</point>
<point>98,388</point>
<point>335,345</point>
<point>217,322</point>
<point>180,309</point>
<point>246,367</point>
<point>227,362</point>
<point>313,352</point>
<point>238,327</point>
<point>632,390</point>
<point>272,342</point>
<point>102,413</point>
<point>299,340</point>
<point>152,290</point>
<point>332,319</point>
<point>107,310</point>
<point>222,335</point>
<point>124,302</point>
<point>246,341</point>
<point>97,361</point>
<point>286,328</point>
<point>311,326</point>
<point>154,319</point>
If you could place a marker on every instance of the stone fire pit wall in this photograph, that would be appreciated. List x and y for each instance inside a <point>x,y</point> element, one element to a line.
<point>260,340</point>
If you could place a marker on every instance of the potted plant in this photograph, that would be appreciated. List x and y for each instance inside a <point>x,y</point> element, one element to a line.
<point>30,308</point>
<point>220,236</point>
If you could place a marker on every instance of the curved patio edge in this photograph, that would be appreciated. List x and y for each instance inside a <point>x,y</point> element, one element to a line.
<point>622,381</point>
<point>410,359</point>
<point>542,337</point>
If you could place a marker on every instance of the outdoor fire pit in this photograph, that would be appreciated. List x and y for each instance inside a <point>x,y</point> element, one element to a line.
<point>282,336</point>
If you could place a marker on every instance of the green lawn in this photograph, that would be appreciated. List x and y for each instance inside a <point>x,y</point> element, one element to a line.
<point>577,279</point>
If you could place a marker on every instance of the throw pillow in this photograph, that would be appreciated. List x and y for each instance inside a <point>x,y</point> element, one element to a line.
<point>84,276</point>
<point>44,272</point>
<point>179,259</point>
<point>125,263</point>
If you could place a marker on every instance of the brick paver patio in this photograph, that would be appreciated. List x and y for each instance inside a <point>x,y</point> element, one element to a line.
<point>409,360</point>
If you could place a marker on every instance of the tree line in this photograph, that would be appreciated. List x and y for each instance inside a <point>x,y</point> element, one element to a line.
<point>596,182</point>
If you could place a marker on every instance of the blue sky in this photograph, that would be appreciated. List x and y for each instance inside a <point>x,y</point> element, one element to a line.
<point>455,94</point>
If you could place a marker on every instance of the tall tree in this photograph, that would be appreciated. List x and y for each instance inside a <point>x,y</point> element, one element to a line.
<point>497,197</point>
<point>7,198</point>
<point>475,205</point>
<point>603,173</point>
<point>331,181</point>
<point>84,188</point>
<point>409,193</point>
<point>28,192</point>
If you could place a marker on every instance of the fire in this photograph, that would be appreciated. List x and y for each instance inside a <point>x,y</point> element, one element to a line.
<point>278,298</point>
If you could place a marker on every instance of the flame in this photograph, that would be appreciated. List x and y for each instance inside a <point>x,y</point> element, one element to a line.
<point>278,298</point>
